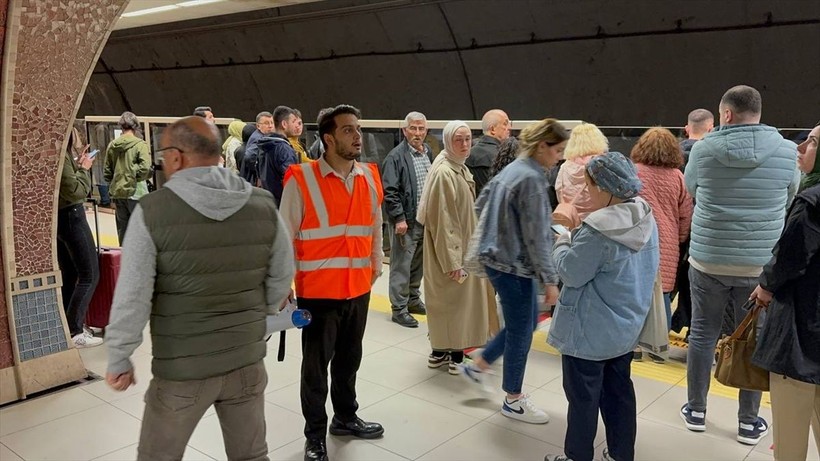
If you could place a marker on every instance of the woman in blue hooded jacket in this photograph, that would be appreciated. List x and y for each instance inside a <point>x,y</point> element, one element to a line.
<point>608,266</point>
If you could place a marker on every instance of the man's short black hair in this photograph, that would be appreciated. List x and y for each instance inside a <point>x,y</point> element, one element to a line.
<point>743,99</point>
<point>280,114</point>
<point>327,119</point>
<point>200,111</point>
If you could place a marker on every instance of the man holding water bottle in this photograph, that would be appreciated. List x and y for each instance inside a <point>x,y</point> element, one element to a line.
<point>207,298</point>
<point>332,208</point>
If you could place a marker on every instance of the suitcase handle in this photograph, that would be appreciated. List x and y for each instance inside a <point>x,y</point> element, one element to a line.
<point>93,202</point>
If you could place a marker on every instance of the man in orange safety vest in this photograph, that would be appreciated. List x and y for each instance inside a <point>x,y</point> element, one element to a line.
<point>332,208</point>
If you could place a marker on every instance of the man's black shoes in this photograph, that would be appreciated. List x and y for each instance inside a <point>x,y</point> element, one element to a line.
<point>406,320</point>
<point>356,428</point>
<point>315,450</point>
<point>418,309</point>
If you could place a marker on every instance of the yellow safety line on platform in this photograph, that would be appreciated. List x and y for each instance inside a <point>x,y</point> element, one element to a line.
<point>109,240</point>
<point>670,372</point>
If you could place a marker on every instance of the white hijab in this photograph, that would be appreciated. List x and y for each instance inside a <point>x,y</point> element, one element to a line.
<point>449,133</point>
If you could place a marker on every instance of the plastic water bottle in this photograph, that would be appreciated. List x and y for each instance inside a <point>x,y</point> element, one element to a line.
<point>289,317</point>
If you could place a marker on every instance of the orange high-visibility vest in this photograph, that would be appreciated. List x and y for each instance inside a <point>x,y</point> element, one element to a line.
<point>334,242</point>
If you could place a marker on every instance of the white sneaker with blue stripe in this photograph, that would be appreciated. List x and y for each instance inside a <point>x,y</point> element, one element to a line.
<point>750,434</point>
<point>524,410</point>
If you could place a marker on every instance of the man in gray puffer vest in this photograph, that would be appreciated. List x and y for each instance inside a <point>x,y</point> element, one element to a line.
<point>206,295</point>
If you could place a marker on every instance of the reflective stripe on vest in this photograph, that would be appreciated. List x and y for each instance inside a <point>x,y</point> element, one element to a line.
<point>371,185</point>
<point>334,231</point>
<point>333,263</point>
<point>334,242</point>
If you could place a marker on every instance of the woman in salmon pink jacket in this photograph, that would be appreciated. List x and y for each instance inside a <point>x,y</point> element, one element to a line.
<point>658,157</point>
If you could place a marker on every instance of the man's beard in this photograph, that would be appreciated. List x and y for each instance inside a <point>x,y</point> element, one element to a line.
<point>348,155</point>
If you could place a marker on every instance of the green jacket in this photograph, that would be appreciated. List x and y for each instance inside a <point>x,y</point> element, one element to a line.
<point>75,183</point>
<point>127,163</point>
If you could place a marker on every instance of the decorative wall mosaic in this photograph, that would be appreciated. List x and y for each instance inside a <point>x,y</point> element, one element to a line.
<point>53,50</point>
<point>39,328</point>
<point>6,357</point>
<point>6,354</point>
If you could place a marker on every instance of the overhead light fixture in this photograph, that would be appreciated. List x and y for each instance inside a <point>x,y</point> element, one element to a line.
<point>158,9</point>
<point>161,9</point>
<point>196,2</point>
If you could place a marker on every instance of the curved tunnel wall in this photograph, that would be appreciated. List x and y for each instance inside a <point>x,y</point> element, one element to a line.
<point>614,63</point>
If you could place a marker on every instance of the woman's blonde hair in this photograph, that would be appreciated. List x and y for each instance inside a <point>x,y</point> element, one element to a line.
<point>548,130</point>
<point>585,139</point>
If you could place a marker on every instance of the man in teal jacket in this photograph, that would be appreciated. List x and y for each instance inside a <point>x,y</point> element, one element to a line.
<point>742,175</point>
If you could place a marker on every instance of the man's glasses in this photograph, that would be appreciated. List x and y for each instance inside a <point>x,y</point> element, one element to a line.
<point>159,154</point>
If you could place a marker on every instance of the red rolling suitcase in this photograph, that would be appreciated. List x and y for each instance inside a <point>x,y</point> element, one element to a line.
<point>99,309</point>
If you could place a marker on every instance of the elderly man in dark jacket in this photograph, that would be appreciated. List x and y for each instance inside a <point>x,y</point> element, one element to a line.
<point>496,128</point>
<point>789,343</point>
<point>403,175</point>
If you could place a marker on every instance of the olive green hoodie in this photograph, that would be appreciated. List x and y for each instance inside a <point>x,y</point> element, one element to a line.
<point>75,183</point>
<point>127,166</point>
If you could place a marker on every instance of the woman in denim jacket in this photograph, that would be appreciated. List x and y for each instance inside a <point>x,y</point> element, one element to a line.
<point>515,248</point>
<point>608,267</point>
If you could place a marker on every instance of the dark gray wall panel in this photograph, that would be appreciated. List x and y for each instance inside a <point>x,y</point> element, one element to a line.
<point>634,81</point>
<point>380,88</point>
<point>612,62</point>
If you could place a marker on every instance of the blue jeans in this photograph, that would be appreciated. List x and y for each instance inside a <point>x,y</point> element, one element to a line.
<point>667,302</point>
<point>710,296</point>
<point>519,304</point>
<point>105,199</point>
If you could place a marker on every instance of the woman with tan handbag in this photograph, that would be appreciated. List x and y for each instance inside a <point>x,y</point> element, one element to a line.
<point>789,344</point>
<point>585,142</point>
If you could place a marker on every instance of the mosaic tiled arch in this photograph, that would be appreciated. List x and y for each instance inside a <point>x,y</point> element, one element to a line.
<point>54,50</point>
<point>51,47</point>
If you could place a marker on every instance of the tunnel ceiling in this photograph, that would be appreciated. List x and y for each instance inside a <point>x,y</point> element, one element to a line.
<point>614,63</point>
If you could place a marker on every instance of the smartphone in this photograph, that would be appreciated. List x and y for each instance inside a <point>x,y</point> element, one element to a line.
<point>93,153</point>
<point>463,277</point>
<point>559,229</point>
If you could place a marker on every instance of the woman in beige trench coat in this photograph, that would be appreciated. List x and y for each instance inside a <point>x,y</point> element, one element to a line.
<point>457,304</point>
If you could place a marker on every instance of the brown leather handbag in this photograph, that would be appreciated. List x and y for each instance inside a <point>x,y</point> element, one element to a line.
<point>734,363</point>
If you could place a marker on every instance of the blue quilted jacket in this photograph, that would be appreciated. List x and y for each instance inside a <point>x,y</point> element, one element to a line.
<point>742,178</point>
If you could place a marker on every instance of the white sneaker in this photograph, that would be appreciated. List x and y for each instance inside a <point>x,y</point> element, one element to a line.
<point>83,340</point>
<point>472,374</point>
<point>524,410</point>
